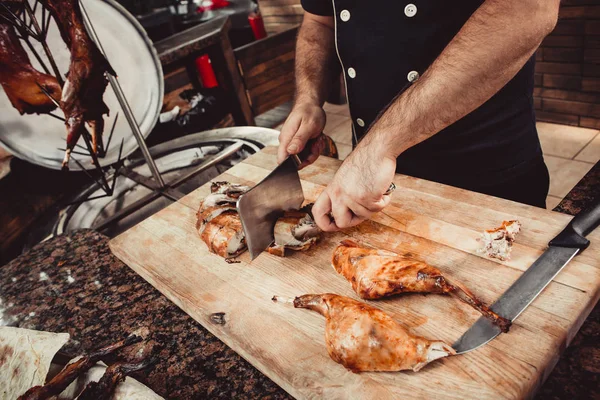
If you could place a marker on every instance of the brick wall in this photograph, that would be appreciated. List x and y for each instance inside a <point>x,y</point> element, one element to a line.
<point>567,80</point>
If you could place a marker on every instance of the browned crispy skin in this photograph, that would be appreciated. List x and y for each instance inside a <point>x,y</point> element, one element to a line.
<point>220,231</point>
<point>375,274</point>
<point>73,370</point>
<point>364,338</point>
<point>86,81</point>
<point>20,80</point>
<point>114,374</point>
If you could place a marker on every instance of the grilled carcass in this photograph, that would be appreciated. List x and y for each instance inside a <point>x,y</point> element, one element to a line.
<point>375,274</point>
<point>86,80</point>
<point>364,338</point>
<point>20,80</point>
<point>218,222</point>
<point>73,370</point>
<point>296,230</point>
<point>497,243</point>
<point>114,374</point>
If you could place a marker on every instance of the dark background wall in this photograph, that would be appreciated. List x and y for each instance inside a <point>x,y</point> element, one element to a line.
<point>567,76</point>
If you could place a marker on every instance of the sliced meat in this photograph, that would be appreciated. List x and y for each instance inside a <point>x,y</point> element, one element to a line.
<point>497,242</point>
<point>224,235</point>
<point>296,230</point>
<point>223,199</point>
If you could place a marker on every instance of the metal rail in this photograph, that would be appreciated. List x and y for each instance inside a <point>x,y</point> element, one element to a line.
<point>116,86</point>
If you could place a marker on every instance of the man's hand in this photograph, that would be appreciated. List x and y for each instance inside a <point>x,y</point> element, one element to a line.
<point>306,121</point>
<point>357,190</point>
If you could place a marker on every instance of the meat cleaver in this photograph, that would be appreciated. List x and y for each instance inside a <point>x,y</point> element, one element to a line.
<point>260,207</point>
<point>517,298</point>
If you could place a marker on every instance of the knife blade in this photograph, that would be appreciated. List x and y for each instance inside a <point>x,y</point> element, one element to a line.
<point>260,207</point>
<point>530,284</point>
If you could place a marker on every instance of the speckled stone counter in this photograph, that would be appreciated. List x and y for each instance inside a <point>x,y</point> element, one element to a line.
<point>74,284</point>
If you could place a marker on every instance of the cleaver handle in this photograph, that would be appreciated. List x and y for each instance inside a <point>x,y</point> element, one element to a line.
<point>580,226</point>
<point>303,155</point>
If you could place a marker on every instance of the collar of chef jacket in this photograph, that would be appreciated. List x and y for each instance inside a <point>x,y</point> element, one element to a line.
<point>384,46</point>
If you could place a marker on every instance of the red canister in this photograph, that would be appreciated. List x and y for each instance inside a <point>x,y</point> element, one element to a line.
<point>206,72</point>
<point>257,25</point>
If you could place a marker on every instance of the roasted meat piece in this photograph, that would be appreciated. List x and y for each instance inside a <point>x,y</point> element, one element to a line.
<point>223,198</point>
<point>86,80</point>
<point>218,223</point>
<point>20,80</point>
<point>73,370</point>
<point>224,235</point>
<point>497,243</point>
<point>296,230</point>
<point>364,338</point>
<point>375,274</point>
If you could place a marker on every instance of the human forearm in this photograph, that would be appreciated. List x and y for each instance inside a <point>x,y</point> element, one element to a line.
<point>487,52</point>
<point>315,65</point>
<point>315,59</point>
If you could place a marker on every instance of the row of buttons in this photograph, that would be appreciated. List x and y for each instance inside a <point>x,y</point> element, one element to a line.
<point>410,11</point>
<point>411,77</point>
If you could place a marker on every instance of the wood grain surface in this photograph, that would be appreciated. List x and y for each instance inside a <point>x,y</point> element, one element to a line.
<point>435,223</point>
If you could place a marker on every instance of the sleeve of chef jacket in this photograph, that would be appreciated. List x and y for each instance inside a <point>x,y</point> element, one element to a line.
<point>318,7</point>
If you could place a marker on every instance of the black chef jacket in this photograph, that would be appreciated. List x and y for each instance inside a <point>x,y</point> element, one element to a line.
<point>385,45</point>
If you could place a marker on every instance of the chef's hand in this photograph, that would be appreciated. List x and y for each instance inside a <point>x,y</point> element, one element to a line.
<point>357,190</point>
<point>306,121</point>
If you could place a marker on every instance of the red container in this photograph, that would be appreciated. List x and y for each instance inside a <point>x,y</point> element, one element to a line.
<point>257,25</point>
<point>206,72</point>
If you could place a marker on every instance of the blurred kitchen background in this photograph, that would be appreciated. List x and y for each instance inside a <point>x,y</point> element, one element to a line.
<point>229,64</point>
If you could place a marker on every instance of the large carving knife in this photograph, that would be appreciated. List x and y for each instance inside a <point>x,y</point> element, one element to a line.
<point>280,191</point>
<point>517,298</point>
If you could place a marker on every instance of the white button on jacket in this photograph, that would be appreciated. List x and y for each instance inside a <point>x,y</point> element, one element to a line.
<point>360,122</point>
<point>412,76</point>
<point>345,15</point>
<point>351,72</point>
<point>410,10</point>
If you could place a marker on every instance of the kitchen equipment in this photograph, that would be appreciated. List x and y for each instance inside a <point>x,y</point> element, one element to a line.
<point>261,206</point>
<point>429,221</point>
<point>185,164</point>
<point>517,298</point>
<point>38,138</point>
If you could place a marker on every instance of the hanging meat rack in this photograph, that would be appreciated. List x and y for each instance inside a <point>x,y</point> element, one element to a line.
<point>32,23</point>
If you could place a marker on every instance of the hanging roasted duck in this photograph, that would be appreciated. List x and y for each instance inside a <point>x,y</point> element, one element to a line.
<point>363,338</point>
<point>375,274</point>
<point>20,80</point>
<point>86,80</point>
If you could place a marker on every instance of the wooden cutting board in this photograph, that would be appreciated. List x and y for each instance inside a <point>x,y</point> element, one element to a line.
<point>435,223</point>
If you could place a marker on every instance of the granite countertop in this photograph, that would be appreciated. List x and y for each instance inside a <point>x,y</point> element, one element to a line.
<point>73,284</point>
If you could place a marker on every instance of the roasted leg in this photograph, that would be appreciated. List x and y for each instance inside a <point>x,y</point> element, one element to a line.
<point>364,338</point>
<point>73,370</point>
<point>375,274</point>
<point>20,80</point>
<point>86,80</point>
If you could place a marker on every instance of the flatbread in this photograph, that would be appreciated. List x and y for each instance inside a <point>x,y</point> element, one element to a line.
<point>130,389</point>
<point>25,357</point>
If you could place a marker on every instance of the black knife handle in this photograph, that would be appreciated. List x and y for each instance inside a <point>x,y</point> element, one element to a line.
<point>580,226</point>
